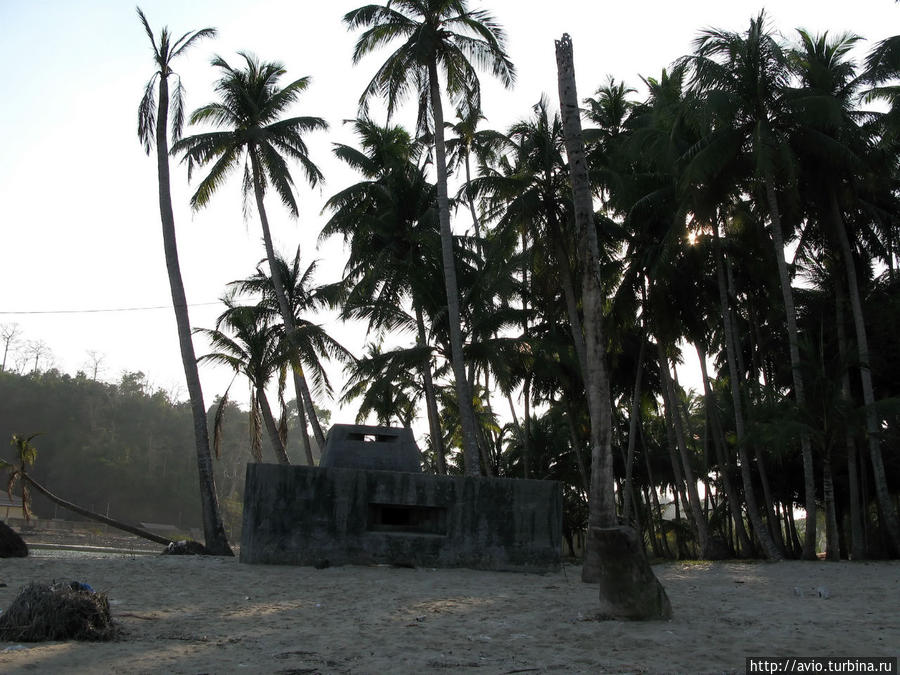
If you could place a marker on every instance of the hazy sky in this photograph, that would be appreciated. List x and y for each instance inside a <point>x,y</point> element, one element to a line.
<point>79,222</point>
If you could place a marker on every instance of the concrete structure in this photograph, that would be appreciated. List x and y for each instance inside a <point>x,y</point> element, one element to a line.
<point>357,446</point>
<point>342,514</point>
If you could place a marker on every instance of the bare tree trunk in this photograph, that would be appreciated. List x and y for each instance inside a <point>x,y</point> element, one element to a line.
<point>613,557</point>
<point>787,293</point>
<point>602,510</point>
<point>214,535</point>
<point>568,288</point>
<point>457,359</point>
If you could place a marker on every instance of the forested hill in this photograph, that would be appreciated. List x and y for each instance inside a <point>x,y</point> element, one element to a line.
<point>123,447</point>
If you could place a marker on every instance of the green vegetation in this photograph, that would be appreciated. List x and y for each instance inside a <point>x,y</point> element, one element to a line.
<point>119,449</point>
<point>744,205</point>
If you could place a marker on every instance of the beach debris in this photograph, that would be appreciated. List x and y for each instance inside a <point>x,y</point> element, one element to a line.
<point>185,547</point>
<point>818,592</point>
<point>11,544</point>
<point>68,610</point>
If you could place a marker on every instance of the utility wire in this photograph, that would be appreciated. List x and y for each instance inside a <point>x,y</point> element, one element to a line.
<point>98,311</point>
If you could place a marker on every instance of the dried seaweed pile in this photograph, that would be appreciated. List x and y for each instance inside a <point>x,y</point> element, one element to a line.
<point>57,611</point>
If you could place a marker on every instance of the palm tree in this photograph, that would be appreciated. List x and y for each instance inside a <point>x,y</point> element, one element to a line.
<point>250,107</point>
<point>744,78</point>
<point>254,350</point>
<point>602,506</point>
<point>443,34</point>
<point>468,140</point>
<point>153,121</point>
<point>836,145</point>
<point>313,340</point>
<point>389,221</point>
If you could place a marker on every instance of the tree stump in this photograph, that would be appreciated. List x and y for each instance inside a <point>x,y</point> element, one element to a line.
<point>11,544</point>
<point>628,587</point>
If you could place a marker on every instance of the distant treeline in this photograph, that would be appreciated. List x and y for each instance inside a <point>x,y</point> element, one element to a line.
<point>122,448</point>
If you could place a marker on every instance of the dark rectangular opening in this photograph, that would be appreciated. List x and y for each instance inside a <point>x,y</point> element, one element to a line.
<point>373,438</point>
<point>405,518</point>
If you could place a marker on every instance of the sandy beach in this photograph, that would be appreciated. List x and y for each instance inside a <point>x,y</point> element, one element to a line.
<point>214,615</point>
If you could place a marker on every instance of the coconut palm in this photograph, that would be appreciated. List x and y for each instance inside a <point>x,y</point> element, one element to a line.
<point>836,146</point>
<point>743,79</point>
<point>468,140</point>
<point>601,503</point>
<point>312,339</point>
<point>250,110</point>
<point>245,340</point>
<point>389,221</point>
<point>436,35</point>
<point>153,126</point>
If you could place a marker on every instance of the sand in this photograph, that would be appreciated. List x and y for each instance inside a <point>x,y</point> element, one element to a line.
<point>214,615</point>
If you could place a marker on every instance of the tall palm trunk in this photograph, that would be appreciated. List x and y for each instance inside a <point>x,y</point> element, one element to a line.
<point>476,222</point>
<point>213,529</point>
<point>287,316</point>
<point>576,447</point>
<point>568,288</point>
<point>633,422</point>
<point>857,522</point>
<point>602,508</point>
<point>271,426</point>
<point>526,385</point>
<point>457,360</point>
<point>731,494</point>
<point>753,513</point>
<point>882,495</point>
<point>693,501</point>
<point>787,293</point>
<point>301,421</point>
<point>434,420</point>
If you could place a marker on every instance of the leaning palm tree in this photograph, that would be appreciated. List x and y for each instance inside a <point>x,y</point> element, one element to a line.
<point>250,109</point>
<point>436,35</point>
<point>153,124</point>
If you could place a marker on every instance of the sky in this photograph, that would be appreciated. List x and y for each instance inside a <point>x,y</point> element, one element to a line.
<point>79,218</point>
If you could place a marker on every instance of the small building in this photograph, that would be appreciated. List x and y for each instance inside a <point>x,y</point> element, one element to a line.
<point>369,502</point>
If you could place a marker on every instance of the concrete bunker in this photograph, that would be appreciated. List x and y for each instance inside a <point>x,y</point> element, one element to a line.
<point>369,502</point>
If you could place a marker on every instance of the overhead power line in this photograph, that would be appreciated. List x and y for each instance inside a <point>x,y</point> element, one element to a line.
<point>99,311</point>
